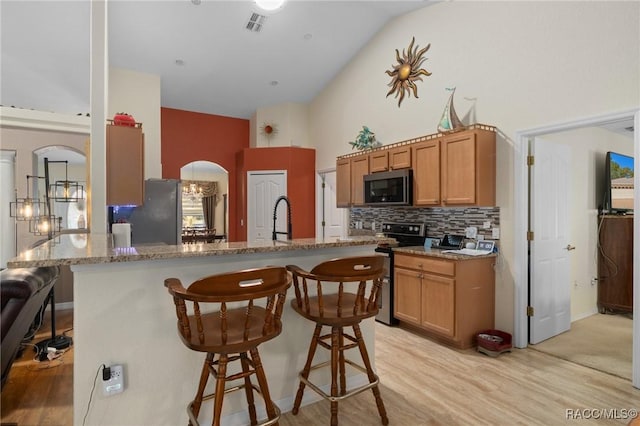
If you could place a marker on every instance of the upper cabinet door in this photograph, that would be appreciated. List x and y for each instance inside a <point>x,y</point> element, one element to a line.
<point>426,173</point>
<point>359,168</point>
<point>379,161</point>
<point>125,165</point>
<point>459,169</point>
<point>343,182</point>
<point>469,169</point>
<point>400,158</point>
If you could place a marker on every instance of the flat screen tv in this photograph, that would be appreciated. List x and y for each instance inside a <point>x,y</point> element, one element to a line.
<point>619,173</point>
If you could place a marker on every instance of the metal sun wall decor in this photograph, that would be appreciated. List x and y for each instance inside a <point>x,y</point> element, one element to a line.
<point>407,71</point>
<point>268,130</point>
<point>449,122</point>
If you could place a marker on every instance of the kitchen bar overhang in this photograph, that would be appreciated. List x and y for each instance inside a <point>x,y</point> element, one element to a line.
<point>124,315</point>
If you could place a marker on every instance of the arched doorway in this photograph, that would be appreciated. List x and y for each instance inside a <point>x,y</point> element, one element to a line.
<point>73,215</point>
<point>205,197</point>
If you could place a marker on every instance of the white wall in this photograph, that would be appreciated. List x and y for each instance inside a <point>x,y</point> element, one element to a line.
<point>526,63</point>
<point>588,150</point>
<point>138,94</point>
<point>291,120</point>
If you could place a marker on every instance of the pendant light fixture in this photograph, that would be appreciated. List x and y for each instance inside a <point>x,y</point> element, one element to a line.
<point>23,209</point>
<point>65,191</point>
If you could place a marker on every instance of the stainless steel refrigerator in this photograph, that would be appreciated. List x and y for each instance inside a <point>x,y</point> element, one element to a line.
<point>159,219</point>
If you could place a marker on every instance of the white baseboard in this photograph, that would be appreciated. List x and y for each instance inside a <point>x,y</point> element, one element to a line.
<point>585,315</point>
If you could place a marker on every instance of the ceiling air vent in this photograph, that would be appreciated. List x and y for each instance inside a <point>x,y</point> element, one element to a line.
<point>256,22</point>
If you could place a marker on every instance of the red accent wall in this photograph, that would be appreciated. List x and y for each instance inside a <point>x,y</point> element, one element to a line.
<point>192,136</point>
<point>300,165</point>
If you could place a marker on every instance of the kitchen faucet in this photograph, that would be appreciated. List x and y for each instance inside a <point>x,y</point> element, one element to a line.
<point>289,232</point>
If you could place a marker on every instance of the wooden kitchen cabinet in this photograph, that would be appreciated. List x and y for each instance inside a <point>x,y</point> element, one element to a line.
<point>615,264</point>
<point>400,157</point>
<point>359,168</point>
<point>468,168</point>
<point>379,161</point>
<point>343,182</point>
<point>390,159</point>
<point>426,173</point>
<point>407,302</point>
<point>350,172</point>
<point>125,165</point>
<point>451,170</point>
<point>449,300</point>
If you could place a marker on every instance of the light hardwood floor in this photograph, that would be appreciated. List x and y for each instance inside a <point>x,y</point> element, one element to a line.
<point>423,383</point>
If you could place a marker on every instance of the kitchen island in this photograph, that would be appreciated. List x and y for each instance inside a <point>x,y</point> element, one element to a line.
<point>124,315</point>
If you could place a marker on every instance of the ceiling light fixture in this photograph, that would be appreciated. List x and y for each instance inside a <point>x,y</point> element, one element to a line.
<point>190,188</point>
<point>270,5</point>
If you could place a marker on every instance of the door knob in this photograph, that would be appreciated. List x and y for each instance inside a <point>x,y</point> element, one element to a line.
<point>569,247</point>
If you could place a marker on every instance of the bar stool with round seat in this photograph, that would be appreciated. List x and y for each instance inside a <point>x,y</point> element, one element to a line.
<point>322,296</point>
<point>231,333</point>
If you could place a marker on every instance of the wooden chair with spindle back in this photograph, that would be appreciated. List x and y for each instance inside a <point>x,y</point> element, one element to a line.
<point>321,297</point>
<point>230,333</point>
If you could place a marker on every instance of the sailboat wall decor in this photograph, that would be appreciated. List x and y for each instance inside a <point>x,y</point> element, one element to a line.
<point>449,122</point>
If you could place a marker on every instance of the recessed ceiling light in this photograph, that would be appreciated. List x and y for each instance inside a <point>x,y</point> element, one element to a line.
<point>274,83</point>
<point>179,62</point>
<point>270,4</point>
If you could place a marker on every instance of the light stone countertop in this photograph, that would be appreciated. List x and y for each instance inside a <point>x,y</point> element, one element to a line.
<point>87,249</point>
<point>433,252</point>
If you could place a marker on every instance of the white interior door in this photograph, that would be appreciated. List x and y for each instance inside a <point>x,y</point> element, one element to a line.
<point>332,218</point>
<point>263,189</point>
<point>550,287</point>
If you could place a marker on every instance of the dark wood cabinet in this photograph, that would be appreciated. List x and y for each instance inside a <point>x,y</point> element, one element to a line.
<point>615,264</point>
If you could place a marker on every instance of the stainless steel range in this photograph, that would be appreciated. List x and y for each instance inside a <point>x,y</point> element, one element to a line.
<point>406,234</point>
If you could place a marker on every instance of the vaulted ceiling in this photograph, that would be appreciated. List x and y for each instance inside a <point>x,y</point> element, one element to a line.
<point>207,58</point>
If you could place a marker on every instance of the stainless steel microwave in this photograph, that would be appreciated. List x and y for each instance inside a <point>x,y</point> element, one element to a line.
<point>393,188</point>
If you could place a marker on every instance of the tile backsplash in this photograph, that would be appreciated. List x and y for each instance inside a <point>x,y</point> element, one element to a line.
<point>439,221</point>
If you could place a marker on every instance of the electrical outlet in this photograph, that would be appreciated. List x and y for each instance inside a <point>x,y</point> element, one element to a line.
<point>495,233</point>
<point>115,384</point>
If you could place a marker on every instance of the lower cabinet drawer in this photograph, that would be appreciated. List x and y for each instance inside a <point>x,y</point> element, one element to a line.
<point>426,264</point>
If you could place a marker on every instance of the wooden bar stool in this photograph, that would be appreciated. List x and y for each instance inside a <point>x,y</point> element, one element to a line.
<point>231,334</point>
<point>330,305</point>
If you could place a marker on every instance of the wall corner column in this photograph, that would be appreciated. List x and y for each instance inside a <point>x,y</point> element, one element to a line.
<point>98,103</point>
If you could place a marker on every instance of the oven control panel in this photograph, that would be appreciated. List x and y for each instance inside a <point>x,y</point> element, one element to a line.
<point>410,229</point>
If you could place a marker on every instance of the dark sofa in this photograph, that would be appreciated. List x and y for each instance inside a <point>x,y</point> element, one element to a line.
<point>23,292</point>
